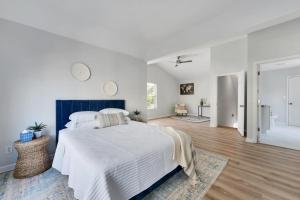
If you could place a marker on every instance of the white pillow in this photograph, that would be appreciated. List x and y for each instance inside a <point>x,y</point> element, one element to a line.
<point>71,125</point>
<point>83,116</point>
<point>128,119</point>
<point>85,125</point>
<point>114,110</point>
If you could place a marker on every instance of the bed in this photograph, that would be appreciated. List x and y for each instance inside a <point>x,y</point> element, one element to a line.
<point>119,162</point>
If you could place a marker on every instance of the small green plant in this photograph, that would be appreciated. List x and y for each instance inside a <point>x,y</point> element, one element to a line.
<point>137,113</point>
<point>37,127</point>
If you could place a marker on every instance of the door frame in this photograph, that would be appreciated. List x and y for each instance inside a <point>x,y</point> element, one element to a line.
<point>287,97</point>
<point>256,88</point>
<point>217,91</point>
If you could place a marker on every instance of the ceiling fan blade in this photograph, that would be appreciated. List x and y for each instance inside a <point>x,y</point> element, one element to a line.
<point>183,56</point>
<point>186,61</point>
<point>188,55</point>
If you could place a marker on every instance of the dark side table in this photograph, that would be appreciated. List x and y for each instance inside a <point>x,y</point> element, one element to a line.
<point>201,109</point>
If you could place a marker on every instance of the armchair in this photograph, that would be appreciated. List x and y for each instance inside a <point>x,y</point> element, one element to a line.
<point>181,109</point>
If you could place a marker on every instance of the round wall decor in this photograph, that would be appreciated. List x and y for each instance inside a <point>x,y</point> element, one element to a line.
<point>81,71</point>
<point>110,88</point>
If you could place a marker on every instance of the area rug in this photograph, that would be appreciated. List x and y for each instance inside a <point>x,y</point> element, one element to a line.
<point>191,118</point>
<point>51,185</point>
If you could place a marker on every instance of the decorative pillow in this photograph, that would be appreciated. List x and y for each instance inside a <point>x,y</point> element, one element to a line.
<point>113,119</point>
<point>114,110</point>
<point>83,116</point>
<point>89,125</point>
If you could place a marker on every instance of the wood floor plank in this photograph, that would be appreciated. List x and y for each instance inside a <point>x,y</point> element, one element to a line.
<point>254,171</point>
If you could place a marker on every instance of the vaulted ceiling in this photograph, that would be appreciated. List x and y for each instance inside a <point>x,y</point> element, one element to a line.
<point>195,70</point>
<point>149,29</point>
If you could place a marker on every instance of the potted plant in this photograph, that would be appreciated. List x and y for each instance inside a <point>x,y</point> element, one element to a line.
<point>136,115</point>
<point>37,129</point>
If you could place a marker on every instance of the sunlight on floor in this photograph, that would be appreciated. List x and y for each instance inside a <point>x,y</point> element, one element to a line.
<point>284,136</point>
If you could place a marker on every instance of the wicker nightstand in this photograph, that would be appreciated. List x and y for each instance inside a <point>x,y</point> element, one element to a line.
<point>33,157</point>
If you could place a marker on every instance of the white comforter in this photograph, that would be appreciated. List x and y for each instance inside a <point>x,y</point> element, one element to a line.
<point>115,162</point>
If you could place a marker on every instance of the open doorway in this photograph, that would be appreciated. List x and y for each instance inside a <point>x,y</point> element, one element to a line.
<point>279,109</point>
<point>231,101</point>
<point>228,101</point>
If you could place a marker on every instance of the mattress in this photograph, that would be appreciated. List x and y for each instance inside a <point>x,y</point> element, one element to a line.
<point>115,162</point>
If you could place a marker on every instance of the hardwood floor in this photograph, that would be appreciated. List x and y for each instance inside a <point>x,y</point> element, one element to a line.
<point>254,171</point>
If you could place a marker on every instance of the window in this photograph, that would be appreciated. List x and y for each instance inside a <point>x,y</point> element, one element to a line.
<point>151,96</point>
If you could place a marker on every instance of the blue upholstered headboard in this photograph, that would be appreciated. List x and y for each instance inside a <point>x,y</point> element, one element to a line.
<point>64,108</point>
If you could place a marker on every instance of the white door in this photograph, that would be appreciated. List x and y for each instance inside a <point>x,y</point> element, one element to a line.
<point>294,101</point>
<point>241,102</point>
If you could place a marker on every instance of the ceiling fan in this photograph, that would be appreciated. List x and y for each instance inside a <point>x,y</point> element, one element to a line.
<point>180,60</point>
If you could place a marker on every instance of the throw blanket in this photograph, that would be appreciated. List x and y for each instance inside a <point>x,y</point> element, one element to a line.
<point>183,152</point>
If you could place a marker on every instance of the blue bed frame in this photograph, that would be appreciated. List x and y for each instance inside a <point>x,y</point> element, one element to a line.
<point>64,108</point>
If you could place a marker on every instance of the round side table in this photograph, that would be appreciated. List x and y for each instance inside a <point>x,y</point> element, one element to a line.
<point>33,157</point>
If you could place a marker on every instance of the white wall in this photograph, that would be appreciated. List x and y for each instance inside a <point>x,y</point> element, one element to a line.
<point>167,91</point>
<point>273,91</point>
<point>201,90</point>
<point>227,58</point>
<point>272,43</point>
<point>35,71</point>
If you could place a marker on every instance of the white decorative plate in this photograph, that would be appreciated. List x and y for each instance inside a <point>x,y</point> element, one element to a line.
<point>81,71</point>
<point>110,88</point>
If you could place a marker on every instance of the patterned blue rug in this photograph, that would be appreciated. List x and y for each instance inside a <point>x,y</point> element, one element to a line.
<point>51,185</point>
<point>191,118</point>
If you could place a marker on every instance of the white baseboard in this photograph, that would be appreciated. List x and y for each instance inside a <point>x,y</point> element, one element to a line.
<point>213,125</point>
<point>251,140</point>
<point>7,168</point>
